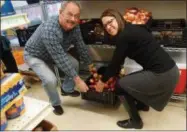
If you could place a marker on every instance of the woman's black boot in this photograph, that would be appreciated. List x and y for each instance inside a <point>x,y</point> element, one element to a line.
<point>135,120</point>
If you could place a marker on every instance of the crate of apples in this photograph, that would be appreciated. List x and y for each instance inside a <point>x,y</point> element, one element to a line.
<point>110,84</point>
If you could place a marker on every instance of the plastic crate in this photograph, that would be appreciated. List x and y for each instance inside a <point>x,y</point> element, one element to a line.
<point>107,97</point>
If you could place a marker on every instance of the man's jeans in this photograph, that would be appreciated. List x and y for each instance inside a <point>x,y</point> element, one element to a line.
<point>48,78</point>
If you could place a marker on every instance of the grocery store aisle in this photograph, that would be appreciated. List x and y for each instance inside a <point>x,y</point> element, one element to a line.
<point>85,115</point>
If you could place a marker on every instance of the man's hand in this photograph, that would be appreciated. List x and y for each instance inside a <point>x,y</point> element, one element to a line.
<point>100,86</point>
<point>80,84</point>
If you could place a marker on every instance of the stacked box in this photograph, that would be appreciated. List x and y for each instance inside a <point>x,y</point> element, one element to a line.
<point>12,86</point>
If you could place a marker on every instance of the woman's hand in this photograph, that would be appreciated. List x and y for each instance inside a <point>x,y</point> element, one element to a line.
<point>99,86</point>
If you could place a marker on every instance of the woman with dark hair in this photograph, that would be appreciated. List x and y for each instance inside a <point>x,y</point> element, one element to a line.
<point>154,85</point>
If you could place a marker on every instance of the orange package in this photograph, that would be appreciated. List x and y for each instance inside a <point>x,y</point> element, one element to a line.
<point>18,55</point>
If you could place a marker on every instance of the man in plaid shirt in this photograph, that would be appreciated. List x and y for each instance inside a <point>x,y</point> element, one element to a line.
<point>49,44</point>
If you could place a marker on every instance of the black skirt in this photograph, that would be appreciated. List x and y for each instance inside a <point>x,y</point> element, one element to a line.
<point>151,88</point>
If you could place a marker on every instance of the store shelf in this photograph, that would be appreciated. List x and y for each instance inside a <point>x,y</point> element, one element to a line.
<point>13,21</point>
<point>105,46</point>
<point>36,111</point>
<point>113,47</point>
<point>179,97</point>
<point>170,49</point>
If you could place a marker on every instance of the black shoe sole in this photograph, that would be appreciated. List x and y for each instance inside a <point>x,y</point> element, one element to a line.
<point>56,113</point>
<point>130,126</point>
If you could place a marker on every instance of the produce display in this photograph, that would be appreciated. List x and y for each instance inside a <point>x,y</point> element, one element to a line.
<point>137,16</point>
<point>110,84</point>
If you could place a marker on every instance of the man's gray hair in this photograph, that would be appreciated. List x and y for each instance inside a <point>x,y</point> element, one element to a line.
<point>65,3</point>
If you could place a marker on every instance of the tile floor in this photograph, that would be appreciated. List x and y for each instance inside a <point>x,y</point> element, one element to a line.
<point>85,115</point>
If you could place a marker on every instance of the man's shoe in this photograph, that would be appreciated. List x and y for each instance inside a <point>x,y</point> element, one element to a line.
<point>58,110</point>
<point>75,93</point>
<point>130,124</point>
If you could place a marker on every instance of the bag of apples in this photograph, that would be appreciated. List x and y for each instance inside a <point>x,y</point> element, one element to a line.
<point>137,16</point>
<point>108,96</point>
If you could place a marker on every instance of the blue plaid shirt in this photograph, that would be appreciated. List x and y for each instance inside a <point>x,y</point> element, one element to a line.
<point>50,43</point>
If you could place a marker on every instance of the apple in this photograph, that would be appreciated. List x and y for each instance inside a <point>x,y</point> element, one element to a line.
<point>96,79</point>
<point>130,16</point>
<point>92,86</point>
<point>94,70</point>
<point>100,76</point>
<point>92,81</point>
<point>106,85</point>
<point>125,17</point>
<point>134,22</point>
<point>140,22</point>
<point>95,75</point>
<point>112,89</point>
<point>110,80</point>
<point>133,10</point>
<point>112,85</point>
<point>147,13</point>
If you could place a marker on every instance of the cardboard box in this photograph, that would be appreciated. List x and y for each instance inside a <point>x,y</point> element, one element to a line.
<point>46,126</point>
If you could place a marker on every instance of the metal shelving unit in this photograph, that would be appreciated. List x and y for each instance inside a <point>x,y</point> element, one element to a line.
<point>179,97</point>
<point>113,47</point>
<point>170,49</point>
<point>36,111</point>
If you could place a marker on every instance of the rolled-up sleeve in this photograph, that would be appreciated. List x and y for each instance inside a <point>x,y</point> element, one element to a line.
<point>60,57</point>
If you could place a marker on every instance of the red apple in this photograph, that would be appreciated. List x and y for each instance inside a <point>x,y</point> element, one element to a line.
<point>95,75</point>
<point>96,79</point>
<point>125,17</point>
<point>130,16</point>
<point>133,10</point>
<point>92,81</point>
<point>140,22</point>
<point>94,69</point>
<point>110,80</point>
<point>92,86</point>
<point>100,76</point>
<point>112,85</point>
<point>106,86</point>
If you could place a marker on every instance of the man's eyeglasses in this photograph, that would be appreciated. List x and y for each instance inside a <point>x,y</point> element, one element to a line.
<point>108,23</point>
<point>70,15</point>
